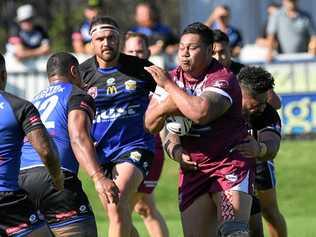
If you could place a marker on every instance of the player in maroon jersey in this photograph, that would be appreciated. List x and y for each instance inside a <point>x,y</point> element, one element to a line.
<point>215,181</point>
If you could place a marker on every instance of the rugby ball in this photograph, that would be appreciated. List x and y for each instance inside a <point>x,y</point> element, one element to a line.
<point>178,125</point>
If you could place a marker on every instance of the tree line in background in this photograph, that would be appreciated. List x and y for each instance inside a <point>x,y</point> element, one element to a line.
<point>62,17</point>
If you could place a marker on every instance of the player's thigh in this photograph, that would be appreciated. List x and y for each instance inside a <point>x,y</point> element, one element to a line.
<point>268,198</point>
<point>127,177</point>
<point>233,205</point>
<point>85,228</point>
<point>200,219</point>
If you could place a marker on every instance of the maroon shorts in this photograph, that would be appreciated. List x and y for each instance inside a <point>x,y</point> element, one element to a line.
<point>233,172</point>
<point>150,181</point>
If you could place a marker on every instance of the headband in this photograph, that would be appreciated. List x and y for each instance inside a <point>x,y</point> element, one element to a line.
<point>103,27</point>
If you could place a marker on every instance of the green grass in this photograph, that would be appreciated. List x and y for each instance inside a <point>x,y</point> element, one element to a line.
<point>296,175</point>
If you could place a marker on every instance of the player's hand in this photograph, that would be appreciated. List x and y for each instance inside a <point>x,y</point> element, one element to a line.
<point>249,148</point>
<point>106,188</point>
<point>58,181</point>
<point>160,76</point>
<point>186,164</point>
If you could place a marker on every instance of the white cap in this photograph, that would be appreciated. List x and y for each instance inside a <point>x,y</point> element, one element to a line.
<point>24,12</point>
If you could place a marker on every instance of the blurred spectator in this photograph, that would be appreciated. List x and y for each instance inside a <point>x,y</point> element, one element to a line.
<point>136,44</point>
<point>26,39</point>
<point>219,19</point>
<point>294,29</point>
<point>221,52</point>
<point>148,22</point>
<point>262,41</point>
<point>81,37</point>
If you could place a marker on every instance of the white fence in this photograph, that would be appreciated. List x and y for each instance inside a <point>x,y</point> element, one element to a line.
<point>295,77</point>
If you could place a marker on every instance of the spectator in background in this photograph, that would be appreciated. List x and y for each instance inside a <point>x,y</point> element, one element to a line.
<point>81,37</point>
<point>294,29</point>
<point>222,53</point>
<point>148,22</point>
<point>219,19</point>
<point>27,40</point>
<point>271,9</point>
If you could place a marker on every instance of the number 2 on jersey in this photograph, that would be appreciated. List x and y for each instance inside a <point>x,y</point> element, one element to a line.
<point>46,108</point>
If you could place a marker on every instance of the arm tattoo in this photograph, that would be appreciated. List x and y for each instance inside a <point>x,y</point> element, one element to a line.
<point>172,146</point>
<point>218,104</point>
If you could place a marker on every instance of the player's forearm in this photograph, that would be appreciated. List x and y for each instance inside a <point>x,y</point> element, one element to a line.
<point>172,145</point>
<point>268,149</point>
<point>193,107</point>
<point>85,152</point>
<point>28,53</point>
<point>47,152</point>
<point>155,118</point>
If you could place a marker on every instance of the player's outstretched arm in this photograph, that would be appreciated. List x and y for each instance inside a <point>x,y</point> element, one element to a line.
<point>79,125</point>
<point>41,142</point>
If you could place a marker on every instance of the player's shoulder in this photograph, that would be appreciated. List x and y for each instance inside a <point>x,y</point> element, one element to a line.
<point>88,65</point>
<point>217,71</point>
<point>14,100</point>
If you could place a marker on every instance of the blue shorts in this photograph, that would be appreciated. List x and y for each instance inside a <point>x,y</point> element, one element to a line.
<point>141,158</point>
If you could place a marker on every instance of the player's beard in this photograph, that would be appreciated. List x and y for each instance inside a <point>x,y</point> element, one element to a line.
<point>109,54</point>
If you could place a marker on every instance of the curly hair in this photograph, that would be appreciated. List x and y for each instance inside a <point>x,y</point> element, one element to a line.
<point>256,79</point>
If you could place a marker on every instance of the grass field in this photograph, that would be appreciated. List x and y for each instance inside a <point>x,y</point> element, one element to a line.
<point>296,174</point>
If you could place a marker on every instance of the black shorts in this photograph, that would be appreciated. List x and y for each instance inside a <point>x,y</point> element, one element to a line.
<point>141,158</point>
<point>18,216</point>
<point>60,208</point>
<point>255,207</point>
<point>265,175</point>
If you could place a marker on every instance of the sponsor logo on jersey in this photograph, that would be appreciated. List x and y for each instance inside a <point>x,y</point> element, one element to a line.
<point>33,219</point>
<point>83,208</point>
<point>130,85</point>
<point>231,177</point>
<point>2,105</point>
<point>110,90</point>
<point>110,81</point>
<point>49,91</point>
<point>34,119</point>
<point>135,155</point>
<point>114,113</point>
<point>222,84</point>
<point>93,92</point>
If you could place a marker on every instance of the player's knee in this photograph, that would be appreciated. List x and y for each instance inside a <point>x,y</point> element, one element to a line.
<point>143,210</point>
<point>234,229</point>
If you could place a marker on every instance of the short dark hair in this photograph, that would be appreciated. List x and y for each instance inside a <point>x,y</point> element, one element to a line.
<point>59,63</point>
<point>199,28</point>
<point>220,37</point>
<point>274,4</point>
<point>2,63</point>
<point>131,34</point>
<point>256,79</point>
<point>100,20</point>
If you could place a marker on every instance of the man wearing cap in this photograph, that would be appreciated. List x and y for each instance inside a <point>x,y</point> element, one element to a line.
<point>120,87</point>
<point>26,39</point>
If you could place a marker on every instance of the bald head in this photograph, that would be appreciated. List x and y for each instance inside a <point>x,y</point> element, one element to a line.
<point>3,73</point>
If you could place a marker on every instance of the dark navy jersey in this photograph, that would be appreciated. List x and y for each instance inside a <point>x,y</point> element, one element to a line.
<point>122,95</point>
<point>269,120</point>
<point>18,117</point>
<point>54,105</point>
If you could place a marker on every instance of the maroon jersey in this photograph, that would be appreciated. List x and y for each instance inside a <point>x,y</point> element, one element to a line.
<point>215,139</point>
<point>210,145</point>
